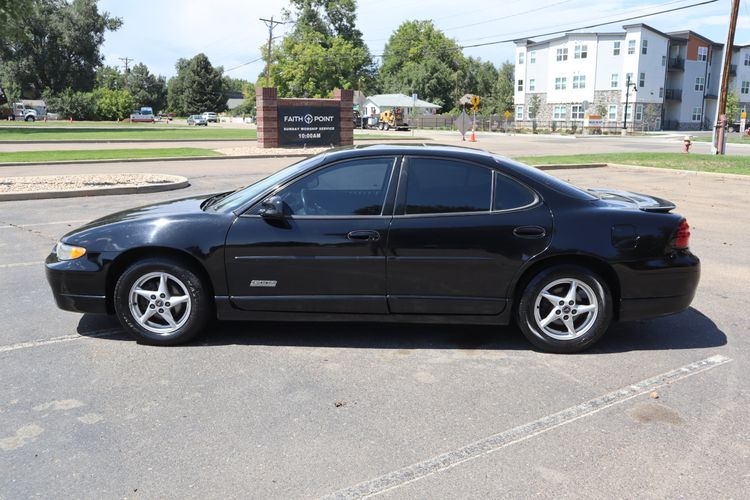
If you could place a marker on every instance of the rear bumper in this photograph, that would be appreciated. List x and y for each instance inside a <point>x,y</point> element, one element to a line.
<point>658,288</point>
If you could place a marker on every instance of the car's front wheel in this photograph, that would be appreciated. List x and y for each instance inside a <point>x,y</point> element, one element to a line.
<point>565,309</point>
<point>162,302</point>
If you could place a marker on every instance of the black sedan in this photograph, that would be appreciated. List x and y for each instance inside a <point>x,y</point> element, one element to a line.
<point>386,233</point>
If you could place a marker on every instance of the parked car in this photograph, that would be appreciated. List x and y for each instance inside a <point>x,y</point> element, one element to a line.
<point>210,117</point>
<point>197,120</point>
<point>386,233</point>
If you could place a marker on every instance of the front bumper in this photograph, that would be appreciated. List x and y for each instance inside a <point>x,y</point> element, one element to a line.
<point>77,285</point>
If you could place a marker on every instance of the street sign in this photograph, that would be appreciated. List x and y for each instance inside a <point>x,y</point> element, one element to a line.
<point>507,115</point>
<point>463,123</point>
<point>475,100</point>
<point>744,115</point>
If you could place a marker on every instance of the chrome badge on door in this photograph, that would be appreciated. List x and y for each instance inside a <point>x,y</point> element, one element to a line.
<point>263,283</point>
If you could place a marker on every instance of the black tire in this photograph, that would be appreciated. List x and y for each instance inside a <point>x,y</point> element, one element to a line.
<point>196,314</point>
<point>29,119</point>
<point>594,289</point>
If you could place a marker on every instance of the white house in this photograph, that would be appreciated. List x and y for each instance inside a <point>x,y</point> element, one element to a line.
<point>376,104</point>
<point>673,78</point>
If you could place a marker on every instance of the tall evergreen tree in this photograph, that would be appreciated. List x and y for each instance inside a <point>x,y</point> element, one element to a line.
<point>146,88</point>
<point>197,87</point>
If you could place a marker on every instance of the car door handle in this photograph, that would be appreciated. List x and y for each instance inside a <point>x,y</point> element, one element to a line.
<point>363,235</point>
<point>529,232</point>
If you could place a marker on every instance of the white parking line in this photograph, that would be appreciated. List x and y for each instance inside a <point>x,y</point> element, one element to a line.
<point>36,224</point>
<point>57,340</point>
<point>420,470</point>
<point>21,264</point>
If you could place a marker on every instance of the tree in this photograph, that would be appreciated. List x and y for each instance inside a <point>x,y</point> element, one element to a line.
<point>147,89</point>
<point>419,58</point>
<point>71,104</point>
<point>196,88</point>
<point>112,104</point>
<point>505,88</point>
<point>324,51</point>
<point>109,77</point>
<point>56,45</point>
<point>732,107</point>
<point>535,103</point>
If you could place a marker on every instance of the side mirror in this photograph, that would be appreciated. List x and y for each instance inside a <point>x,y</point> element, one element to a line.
<point>273,208</point>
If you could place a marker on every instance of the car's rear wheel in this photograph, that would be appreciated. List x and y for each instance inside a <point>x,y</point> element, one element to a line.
<point>161,302</point>
<point>565,309</point>
<point>29,118</point>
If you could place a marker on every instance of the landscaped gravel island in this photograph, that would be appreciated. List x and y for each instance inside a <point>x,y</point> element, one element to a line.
<point>62,186</point>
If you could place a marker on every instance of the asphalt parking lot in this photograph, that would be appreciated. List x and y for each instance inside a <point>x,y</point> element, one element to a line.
<point>657,409</point>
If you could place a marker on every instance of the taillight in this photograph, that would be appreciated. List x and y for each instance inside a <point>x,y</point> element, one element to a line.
<point>682,239</point>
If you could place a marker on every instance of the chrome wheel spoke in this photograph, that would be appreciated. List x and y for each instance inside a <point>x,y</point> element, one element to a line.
<point>163,284</point>
<point>570,326</point>
<point>146,294</point>
<point>146,315</point>
<point>553,299</point>
<point>570,297</point>
<point>552,316</point>
<point>178,299</point>
<point>583,309</point>
<point>167,315</point>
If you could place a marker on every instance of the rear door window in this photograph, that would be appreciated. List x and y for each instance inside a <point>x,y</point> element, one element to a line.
<point>440,186</point>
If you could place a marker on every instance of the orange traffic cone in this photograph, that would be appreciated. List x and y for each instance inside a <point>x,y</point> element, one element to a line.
<point>473,137</point>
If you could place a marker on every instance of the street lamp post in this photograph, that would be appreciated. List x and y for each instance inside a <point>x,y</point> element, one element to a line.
<point>628,84</point>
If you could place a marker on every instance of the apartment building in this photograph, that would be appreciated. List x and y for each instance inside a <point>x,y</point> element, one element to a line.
<point>666,80</point>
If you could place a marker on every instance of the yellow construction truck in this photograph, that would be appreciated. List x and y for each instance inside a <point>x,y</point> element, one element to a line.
<point>392,119</point>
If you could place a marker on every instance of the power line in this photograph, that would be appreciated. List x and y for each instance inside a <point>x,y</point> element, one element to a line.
<point>674,9</point>
<point>508,16</point>
<point>243,64</point>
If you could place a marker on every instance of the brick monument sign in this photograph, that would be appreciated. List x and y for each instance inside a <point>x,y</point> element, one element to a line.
<point>304,122</point>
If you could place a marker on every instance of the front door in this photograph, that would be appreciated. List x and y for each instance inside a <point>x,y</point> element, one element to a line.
<point>459,234</point>
<point>327,255</point>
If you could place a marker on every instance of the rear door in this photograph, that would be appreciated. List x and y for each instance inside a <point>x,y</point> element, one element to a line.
<point>328,254</point>
<point>460,232</point>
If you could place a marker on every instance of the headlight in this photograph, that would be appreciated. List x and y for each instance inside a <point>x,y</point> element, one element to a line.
<point>68,252</point>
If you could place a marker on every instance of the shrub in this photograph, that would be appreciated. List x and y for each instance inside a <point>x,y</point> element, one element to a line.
<point>113,104</point>
<point>69,104</point>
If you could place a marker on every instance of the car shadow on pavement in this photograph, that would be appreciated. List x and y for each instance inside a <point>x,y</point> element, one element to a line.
<point>688,330</point>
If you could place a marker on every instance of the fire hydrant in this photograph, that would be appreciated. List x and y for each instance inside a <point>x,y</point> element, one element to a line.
<point>686,143</point>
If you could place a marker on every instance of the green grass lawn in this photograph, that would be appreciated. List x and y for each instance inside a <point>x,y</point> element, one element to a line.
<point>681,161</point>
<point>102,154</point>
<point>100,133</point>
<point>731,138</point>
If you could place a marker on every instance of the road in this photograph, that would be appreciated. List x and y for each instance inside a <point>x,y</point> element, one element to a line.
<point>273,410</point>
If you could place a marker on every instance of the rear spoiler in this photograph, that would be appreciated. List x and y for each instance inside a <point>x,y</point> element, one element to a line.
<point>643,202</point>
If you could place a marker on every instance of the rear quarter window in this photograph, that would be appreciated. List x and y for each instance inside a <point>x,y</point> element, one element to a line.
<point>510,194</point>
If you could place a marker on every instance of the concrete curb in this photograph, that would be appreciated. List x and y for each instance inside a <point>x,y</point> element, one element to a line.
<point>44,195</point>
<point>570,166</point>
<point>141,160</point>
<point>691,172</point>
<point>123,141</point>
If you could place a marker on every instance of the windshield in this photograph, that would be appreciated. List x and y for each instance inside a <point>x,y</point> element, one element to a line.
<point>547,180</point>
<point>249,193</point>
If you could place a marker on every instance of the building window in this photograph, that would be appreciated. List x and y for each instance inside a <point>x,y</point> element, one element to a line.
<point>581,51</point>
<point>532,57</point>
<point>642,80</point>
<point>521,57</point>
<point>628,78</point>
<point>532,85</point>
<point>561,83</point>
<point>576,112</point>
<point>616,49</point>
<point>520,86</point>
<point>644,47</point>
<point>661,91</point>
<point>745,89</point>
<point>702,53</point>
<point>530,113</point>
<point>615,81</point>
<point>562,54</point>
<point>700,83</point>
<point>579,82</point>
<point>612,112</point>
<point>519,112</point>
<point>747,59</point>
<point>638,112</point>
<point>631,46</point>
<point>559,112</point>
<point>663,60</point>
<point>697,111</point>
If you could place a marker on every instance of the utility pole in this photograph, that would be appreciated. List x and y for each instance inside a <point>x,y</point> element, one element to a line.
<point>271,24</point>
<point>126,60</point>
<point>718,139</point>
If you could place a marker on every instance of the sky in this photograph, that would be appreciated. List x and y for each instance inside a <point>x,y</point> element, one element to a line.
<point>229,32</point>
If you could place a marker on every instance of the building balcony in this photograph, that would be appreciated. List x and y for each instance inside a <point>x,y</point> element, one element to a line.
<point>676,64</point>
<point>732,70</point>
<point>673,94</point>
